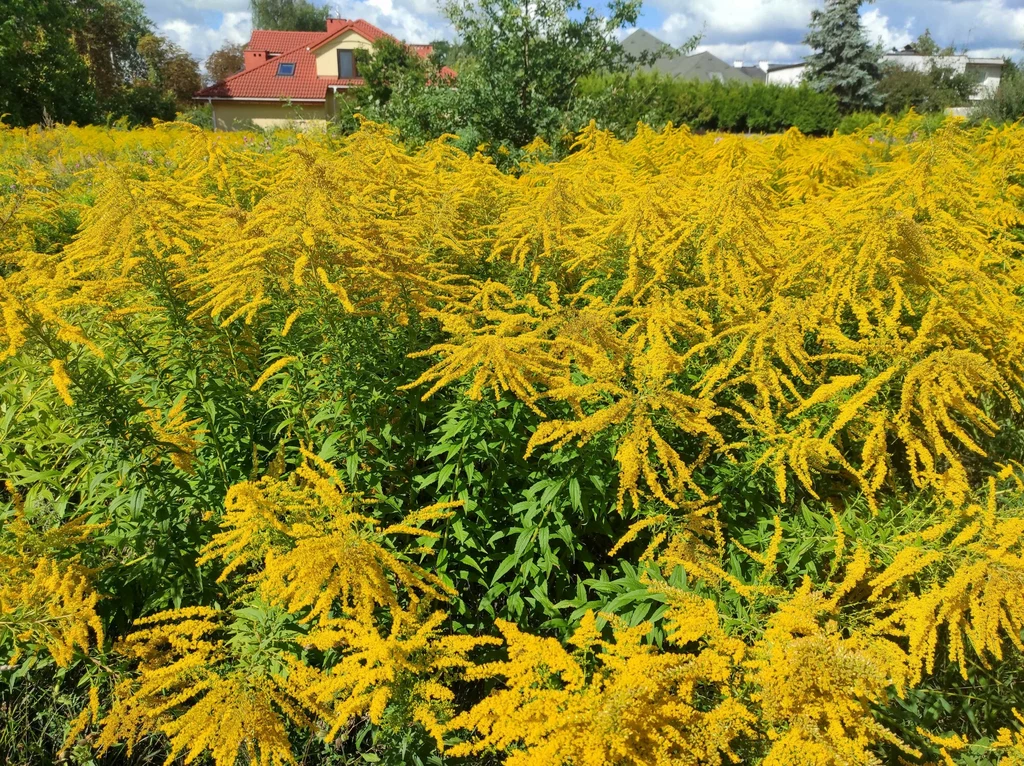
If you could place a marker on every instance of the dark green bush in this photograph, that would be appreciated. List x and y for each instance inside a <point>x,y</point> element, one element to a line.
<point>933,91</point>
<point>201,116</point>
<point>619,101</point>
<point>140,104</point>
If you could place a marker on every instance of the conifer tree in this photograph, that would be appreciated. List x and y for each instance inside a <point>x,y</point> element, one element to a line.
<point>844,62</point>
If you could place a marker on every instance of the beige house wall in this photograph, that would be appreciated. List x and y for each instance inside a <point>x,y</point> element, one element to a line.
<point>327,56</point>
<point>235,115</point>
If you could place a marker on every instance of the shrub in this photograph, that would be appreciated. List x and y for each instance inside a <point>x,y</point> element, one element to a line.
<point>618,102</point>
<point>140,105</point>
<point>931,91</point>
<point>200,116</point>
<point>1007,103</point>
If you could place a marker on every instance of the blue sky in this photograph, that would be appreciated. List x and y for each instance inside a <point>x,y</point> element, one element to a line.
<point>747,30</point>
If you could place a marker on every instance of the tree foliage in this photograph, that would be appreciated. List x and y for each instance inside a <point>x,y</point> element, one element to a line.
<point>108,35</point>
<point>225,61</point>
<point>933,90</point>
<point>843,61</point>
<point>170,67</point>
<point>926,45</point>
<point>1007,103</point>
<point>388,65</point>
<point>525,59</point>
<point>42,71</point>
<point>289,15</point>
<point>84,61</point>
<point>621,102</point>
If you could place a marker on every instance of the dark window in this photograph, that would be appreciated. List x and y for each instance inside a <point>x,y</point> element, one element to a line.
<point>347,65</point>
<point>285,69</point>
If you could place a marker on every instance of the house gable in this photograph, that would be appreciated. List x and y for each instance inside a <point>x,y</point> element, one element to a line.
<point>294,72</point>
<point>327,51</point>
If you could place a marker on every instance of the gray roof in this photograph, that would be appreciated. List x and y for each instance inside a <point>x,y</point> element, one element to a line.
<point>699,66</point>
<point>642,41</point>
<point>755,73</point>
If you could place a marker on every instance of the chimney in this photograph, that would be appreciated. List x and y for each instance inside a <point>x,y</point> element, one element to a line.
<point>333,25</point>
<point>763,66</point>
<point>254,58</point>
<point>737,64</point>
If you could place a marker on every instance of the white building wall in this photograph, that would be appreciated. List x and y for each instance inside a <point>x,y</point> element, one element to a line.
<point>988,71</point>
<point>990,74</point>
<point>925,63</point>
<point>789,76</point>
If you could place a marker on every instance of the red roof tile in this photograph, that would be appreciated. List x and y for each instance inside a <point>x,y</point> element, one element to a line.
<point>365,28</point>
<point>262,82</point>
<point>274,41</point>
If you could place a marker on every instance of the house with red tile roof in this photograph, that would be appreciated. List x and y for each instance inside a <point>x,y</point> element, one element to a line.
<point>293,78</point>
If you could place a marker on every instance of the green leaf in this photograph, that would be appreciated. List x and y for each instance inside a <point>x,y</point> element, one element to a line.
<point>575,494</point>
<point>503,568</point>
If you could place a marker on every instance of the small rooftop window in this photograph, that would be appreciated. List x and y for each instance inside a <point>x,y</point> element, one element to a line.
<point>285,69</point>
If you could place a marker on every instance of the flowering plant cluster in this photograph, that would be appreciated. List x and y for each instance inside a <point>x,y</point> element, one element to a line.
<point>693,449</point>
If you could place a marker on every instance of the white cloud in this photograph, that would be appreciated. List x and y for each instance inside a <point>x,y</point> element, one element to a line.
<point>996,53</point>
<point>754,30</point>
<point>415,21</point>
<point>200,40</point>
<point>733,19</point>
<point>876,24</point>
<point>188,8</point>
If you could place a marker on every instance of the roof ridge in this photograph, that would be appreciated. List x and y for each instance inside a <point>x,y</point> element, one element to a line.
<point>349,26</point>
<point>373,27</point>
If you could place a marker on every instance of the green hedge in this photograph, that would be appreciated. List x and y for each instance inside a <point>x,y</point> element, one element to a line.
<point>619,101</point>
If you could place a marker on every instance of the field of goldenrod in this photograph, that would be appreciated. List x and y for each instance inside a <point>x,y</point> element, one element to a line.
<point>697,449</point>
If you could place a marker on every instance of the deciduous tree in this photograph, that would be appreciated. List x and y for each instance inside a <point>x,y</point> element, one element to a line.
<point>170,67</point>
<point>225,61</point>
<point>387,65</point>
<point>526,57</point>
<point>41,71</point>
<point>107,35</point>
<point>290,15</point>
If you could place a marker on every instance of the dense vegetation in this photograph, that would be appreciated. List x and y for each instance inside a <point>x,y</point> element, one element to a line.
<point>619,102</point>
<point>543,69</point>
<point>89,61</point>
<point>685,450</point>
<point>415,98</point>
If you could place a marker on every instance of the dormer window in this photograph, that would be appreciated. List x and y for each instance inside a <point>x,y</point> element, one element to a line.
<point>285,69</point>
<point>347,65</point>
